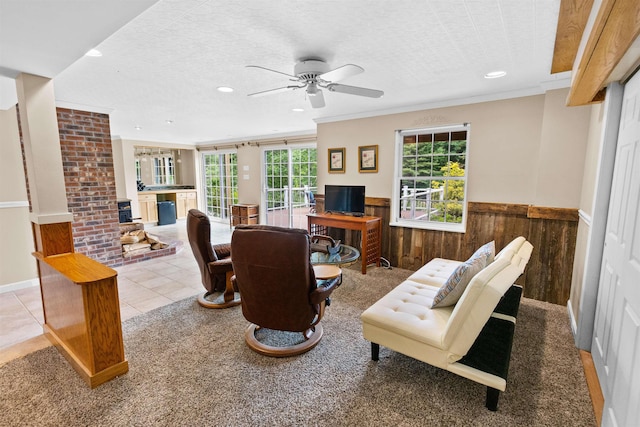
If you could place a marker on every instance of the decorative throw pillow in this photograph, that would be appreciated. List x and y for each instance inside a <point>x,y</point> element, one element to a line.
<point>454,287</point>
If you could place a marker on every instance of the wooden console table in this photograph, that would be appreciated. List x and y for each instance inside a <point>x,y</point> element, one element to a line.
<point>370,228</point>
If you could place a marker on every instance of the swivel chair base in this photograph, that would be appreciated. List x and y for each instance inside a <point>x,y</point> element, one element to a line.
<point>217,300</point>
<point>228,298</point>
<point>312,338</point>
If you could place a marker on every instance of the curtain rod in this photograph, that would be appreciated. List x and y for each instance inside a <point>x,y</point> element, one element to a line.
<point>219,147</point>
<point>259,142</point>
<point>284,141</point>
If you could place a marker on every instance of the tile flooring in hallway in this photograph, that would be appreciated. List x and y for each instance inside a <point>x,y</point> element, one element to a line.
<point>141,287</point>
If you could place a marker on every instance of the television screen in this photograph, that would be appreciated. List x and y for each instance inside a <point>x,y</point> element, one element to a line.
<point>344,199</point>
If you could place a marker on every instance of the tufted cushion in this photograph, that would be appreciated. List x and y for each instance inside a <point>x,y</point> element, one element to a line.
<point>451,291</point>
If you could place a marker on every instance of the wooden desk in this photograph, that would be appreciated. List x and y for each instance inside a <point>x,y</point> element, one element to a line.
<point>370,228</point>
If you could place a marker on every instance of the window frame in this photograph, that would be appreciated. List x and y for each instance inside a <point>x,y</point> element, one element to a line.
<point>164,171</point>
<point>395,219</point>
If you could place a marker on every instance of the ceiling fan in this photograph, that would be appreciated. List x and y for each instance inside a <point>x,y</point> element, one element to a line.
<point>313,75</point>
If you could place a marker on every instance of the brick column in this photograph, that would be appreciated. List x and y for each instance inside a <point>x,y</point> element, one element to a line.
<point>87,158</point>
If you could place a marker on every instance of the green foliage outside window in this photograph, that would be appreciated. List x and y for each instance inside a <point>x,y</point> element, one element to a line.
<point>304,171</point>
<point>432,181</point>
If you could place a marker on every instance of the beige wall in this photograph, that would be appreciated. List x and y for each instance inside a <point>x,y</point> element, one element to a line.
<point>526,150</point>
<point>17,265</point>
<point>249,174</point>
<point>592,154</point>
<point>591,160</point>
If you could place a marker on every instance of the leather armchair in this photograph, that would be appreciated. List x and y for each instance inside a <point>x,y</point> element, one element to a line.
<point>273,272</point>
<point>214,261</point>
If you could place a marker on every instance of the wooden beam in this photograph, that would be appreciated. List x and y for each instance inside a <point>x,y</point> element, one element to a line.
<point>572,20</point>
<point>616,27</point>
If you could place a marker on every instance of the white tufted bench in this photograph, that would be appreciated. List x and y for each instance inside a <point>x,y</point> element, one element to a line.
<point>472,338</point>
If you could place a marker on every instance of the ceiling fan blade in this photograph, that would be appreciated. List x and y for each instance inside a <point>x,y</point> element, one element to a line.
<point>272,91</point>
<point>341,73</point>
<point>317,100</point>
<point>354,90</point>
<point>274,71</point>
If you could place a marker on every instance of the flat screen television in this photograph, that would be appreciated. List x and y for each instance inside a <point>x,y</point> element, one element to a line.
<point>348,199</point>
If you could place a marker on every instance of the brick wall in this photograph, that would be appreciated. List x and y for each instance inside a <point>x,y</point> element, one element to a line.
<point>87,157</point>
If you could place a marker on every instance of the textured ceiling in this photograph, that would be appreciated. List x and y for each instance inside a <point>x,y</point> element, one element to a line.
<point>167,62</point>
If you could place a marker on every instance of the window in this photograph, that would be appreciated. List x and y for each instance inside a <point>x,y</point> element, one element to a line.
<point>138,171</point>
<point>430,178</point>
<point>163,170</point>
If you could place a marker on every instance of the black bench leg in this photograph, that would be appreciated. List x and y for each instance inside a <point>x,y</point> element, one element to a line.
<point>375,351</point>
<point>492,398</point>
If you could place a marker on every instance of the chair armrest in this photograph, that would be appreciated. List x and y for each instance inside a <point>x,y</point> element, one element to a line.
<point>222,250</point>
<point>322,243</point>
<point>323,291</point>
<point>220,267</point>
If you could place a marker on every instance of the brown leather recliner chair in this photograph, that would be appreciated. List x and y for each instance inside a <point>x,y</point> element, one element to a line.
<point>274,275</point>
<point>214,262</point>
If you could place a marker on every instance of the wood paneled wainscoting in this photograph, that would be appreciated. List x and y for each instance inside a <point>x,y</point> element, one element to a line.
<point>551,231</point>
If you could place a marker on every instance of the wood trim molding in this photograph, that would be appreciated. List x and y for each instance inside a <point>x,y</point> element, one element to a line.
<point>502,208</point>
<point>593,384</point>
<point>616,26</point>
<point>562,214</point>
<point>527,211</point>
<point>572,21</point>
<point>377,201</point>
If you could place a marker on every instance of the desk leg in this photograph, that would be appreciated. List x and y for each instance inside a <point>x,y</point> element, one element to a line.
<point>364,238</point>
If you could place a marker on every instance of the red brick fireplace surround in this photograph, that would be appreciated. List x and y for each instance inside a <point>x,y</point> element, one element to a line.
<point>87,157</point>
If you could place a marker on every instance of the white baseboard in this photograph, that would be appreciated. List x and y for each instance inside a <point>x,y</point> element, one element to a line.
<point>11,287</point>
<point>572,321</point>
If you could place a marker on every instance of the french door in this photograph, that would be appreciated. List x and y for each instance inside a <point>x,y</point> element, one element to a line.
<point>290,178</point>
<point>220,174</point>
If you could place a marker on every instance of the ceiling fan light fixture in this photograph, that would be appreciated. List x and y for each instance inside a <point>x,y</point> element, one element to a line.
<point>312,89</point>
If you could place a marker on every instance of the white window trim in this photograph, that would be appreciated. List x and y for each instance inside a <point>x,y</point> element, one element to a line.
<point>395,221</point>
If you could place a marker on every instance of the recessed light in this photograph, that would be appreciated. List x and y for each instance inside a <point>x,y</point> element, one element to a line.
<point>297,110</point>
<point>94,53</point>
<point>169,122</point>
<point>225,89</point>
<point>495,74</point>
<point>138,127</point>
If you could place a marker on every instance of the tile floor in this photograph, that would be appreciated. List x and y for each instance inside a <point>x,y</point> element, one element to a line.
<point>141,287</point>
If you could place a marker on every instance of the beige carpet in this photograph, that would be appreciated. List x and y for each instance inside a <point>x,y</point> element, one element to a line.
<point>189,366</point>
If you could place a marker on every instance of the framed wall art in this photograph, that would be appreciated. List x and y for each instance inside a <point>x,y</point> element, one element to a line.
<point>336,160</point>
<point>368,158</point>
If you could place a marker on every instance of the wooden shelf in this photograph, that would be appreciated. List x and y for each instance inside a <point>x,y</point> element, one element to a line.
<point>244,214</point>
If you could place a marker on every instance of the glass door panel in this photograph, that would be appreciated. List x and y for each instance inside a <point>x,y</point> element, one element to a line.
<point>290,180</point>
<point>220,172</point>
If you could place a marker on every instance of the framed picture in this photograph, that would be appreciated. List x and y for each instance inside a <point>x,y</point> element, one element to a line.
<point>336,160</point>
<point>368,158</point>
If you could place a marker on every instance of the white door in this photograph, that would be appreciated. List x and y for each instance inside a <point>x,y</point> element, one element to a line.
<point>616,336</point>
